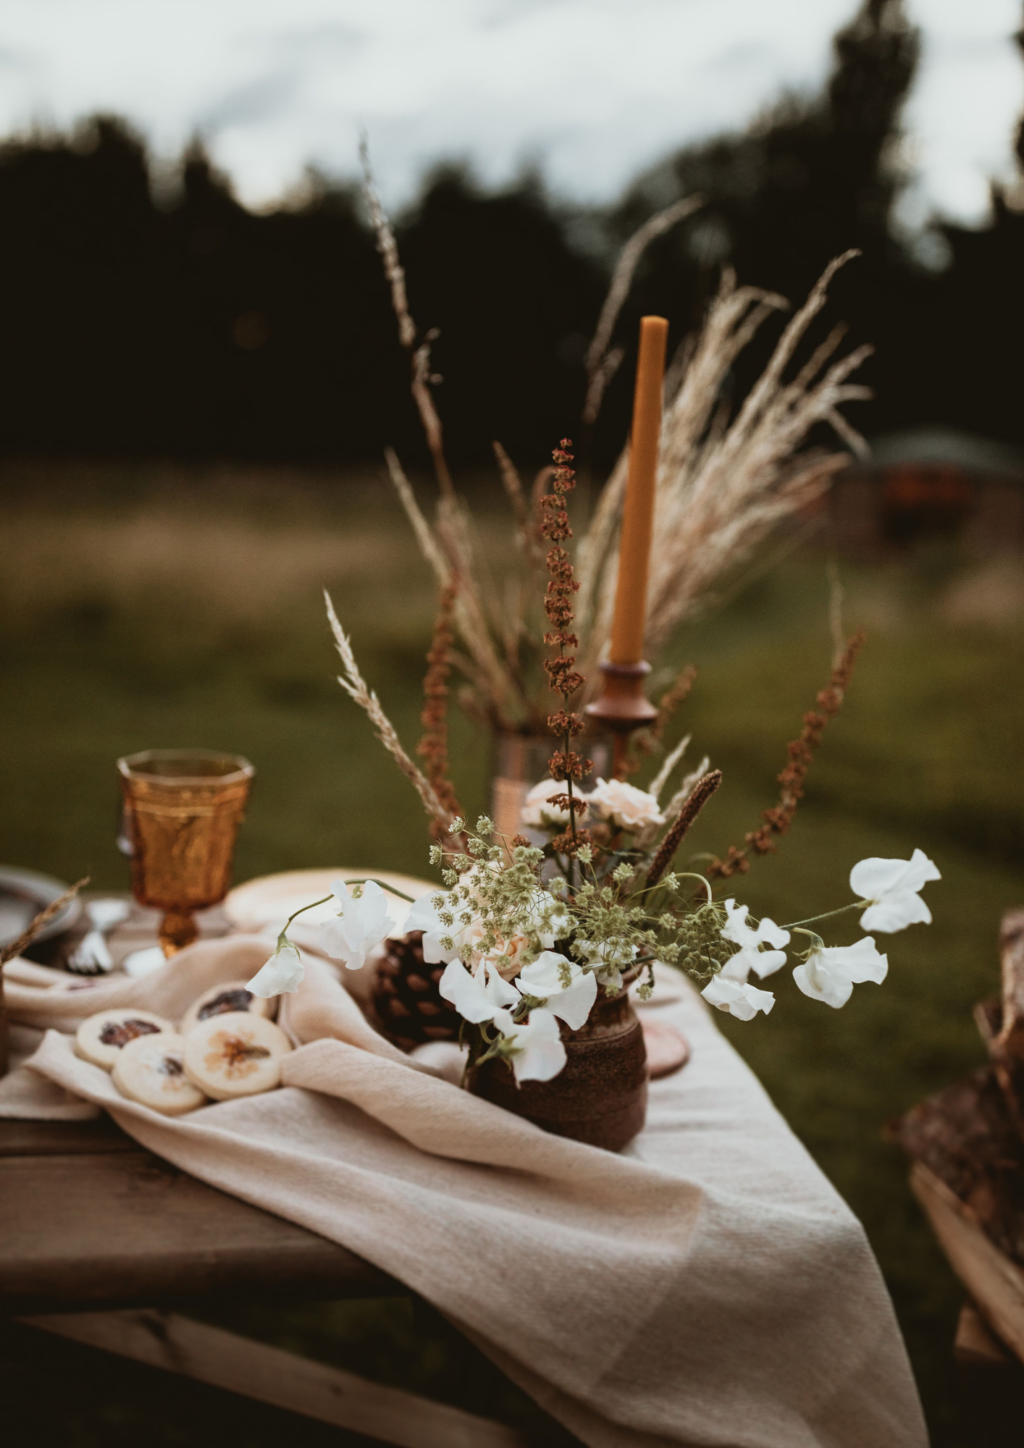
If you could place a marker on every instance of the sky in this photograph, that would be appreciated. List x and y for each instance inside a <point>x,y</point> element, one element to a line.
<point>592,91</point>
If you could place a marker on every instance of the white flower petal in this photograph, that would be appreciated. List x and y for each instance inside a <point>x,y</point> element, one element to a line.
<point>890,889</point>
<point>624,805</point>
<point>895,912</point>
<point>872,879</point>
<point>360,926</point>
<point>281,975</point>
<point>736,929</point>
<point>737,999</point>
<point>862,961</point>
<point>571,1003</point>
<point>830,974</point>
<point>537,1050</point>
<point>739,966</point>
<point>768,933</point>
<point>822,983</point>
<point>467,994</point>
<point>424,917</point>
<point>574,1004</point>
<point>740,933</point>
<point>767,962</point>
<point>499,990</point>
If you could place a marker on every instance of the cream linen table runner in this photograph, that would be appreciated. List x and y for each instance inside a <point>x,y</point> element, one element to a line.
<point>705,1286</point>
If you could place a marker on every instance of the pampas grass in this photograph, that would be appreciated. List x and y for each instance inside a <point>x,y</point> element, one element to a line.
<point>724,487</point>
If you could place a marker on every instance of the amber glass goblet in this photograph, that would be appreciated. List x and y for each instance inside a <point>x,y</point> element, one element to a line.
<point>183,808</point>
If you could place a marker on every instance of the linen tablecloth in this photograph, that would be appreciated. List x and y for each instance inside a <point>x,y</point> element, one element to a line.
<point>705,1286</point>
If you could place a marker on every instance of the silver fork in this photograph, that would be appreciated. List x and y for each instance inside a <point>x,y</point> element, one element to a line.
<point>91,955</point>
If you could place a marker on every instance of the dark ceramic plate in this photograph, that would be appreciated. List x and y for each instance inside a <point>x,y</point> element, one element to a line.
<point>23,893</point>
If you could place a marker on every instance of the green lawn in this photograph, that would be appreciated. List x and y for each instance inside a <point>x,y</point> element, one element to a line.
<point>148,607</point>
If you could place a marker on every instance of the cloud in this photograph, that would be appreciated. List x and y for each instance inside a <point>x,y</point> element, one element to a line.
<point>596,89</point>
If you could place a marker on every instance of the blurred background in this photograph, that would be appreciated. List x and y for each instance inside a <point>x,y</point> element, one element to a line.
<point>199,369</point>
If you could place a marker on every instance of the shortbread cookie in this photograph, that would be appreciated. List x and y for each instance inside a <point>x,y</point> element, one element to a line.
<point>151,1069</point>
<point>219,1000</point>
<point>238,1054</point>
<point>100,1037</point>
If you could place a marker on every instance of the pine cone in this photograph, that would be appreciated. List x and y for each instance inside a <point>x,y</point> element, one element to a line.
<point>406,998</point>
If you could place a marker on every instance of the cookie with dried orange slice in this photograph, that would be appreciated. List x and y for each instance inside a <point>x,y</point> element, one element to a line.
<point>151,1070</point>
<point>237,1054</point>
<point>219,1000</point>
<point>101,1037</point>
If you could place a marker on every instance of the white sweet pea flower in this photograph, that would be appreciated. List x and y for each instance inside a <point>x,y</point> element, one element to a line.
<point>832,971</point>
<point>751,955</point>
<point>572,1002</point>
<point>282,974</point>
<point>360,927</point>
<point>890,887</point>
<point>534,1046</point>
<point>423,916</point>
<point>478,997</point>
<point>737,998</point>
<point>623,805</point>
<point>538,813</point>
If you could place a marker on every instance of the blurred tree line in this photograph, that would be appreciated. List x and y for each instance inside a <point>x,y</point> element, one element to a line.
<point>137,321</point>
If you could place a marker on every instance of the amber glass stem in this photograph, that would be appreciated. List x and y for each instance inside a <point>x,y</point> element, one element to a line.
<point>177,929</point>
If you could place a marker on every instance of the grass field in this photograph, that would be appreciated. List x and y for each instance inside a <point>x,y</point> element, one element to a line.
<point>149,607</point>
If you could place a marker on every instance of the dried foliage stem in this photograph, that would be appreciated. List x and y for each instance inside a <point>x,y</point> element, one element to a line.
<point>701,793</point>
<point>421,376</point>
<point>356,687</point>
<point>565,765</point>
<point>601,362</point>
<point>446,550</point>
<point>779,817</point>
<point>433,747</point>
<point>40,922</point>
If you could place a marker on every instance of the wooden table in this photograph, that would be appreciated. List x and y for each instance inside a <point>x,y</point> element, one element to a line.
<point>105,1243</point>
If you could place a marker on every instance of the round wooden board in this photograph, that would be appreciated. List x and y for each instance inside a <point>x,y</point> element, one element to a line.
<point>667,1049</point>
<point>268,900</point>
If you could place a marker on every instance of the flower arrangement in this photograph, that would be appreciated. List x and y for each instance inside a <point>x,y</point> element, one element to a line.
<point>727,480</point>
<point>530,928</point>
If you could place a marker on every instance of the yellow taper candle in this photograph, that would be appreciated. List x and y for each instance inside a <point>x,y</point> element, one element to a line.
<point>638,516</point>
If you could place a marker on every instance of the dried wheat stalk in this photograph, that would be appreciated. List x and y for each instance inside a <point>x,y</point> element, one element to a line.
<point>39,922</point>
<point>421,376</point>
<point>602,361</point>
<point>356,687</point>
<point>659,781</point>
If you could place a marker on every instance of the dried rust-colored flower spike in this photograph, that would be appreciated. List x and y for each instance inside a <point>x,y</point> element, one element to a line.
<point>702,792</point>
<point>779,817</point>
<point>433,747</point>
<point>642,741</point>
<point>670,701</point>
<point>569,842</point>
<point>563,676</point>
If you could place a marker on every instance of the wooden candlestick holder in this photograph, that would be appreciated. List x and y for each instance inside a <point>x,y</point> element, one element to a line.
<point>622,707</point>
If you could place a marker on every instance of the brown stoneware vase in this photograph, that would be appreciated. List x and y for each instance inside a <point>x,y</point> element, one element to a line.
<point>600,1095</point>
